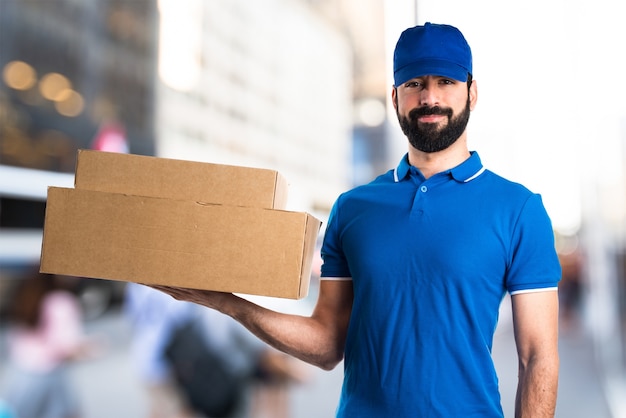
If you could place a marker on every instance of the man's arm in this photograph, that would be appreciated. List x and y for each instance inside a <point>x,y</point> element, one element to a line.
<point>318,339</point>
<point>535,322</point>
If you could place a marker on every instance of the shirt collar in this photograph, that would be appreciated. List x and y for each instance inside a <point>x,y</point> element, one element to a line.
<point>402,170</point>
<point>465,172</point>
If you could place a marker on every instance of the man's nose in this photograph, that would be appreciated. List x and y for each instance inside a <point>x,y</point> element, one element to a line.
<point>429,96</point>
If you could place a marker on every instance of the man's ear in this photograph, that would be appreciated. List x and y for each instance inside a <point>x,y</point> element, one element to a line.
<point>394,97</point>
<point>473,95</point>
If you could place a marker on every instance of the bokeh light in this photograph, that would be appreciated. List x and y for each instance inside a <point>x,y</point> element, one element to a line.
<point>19,75</point>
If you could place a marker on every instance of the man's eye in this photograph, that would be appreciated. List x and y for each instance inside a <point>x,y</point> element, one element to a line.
<point>413,84</point>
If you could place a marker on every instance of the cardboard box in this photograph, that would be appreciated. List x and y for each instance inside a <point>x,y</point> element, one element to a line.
<point>178,242</point>
<point>179,179</point>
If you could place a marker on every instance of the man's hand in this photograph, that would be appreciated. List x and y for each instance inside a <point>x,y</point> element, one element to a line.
<point>208,298</point>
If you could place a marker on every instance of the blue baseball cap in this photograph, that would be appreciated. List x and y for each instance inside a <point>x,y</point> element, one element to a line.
<point>431,49</point>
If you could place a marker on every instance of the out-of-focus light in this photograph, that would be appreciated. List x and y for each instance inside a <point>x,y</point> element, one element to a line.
<point>180,43</point>
<point>53,85</point>
<point>19,75</point>
<point>371,112</point>
<point>72,105</point>
<point>63,95</point>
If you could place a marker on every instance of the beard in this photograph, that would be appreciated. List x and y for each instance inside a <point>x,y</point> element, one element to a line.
<point>428,137</point>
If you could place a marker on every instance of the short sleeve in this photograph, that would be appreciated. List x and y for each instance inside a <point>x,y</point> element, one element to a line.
<point>333,257</point>
<point>533,262</point>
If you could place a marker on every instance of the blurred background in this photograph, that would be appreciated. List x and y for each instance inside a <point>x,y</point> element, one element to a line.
<point>303,87</point>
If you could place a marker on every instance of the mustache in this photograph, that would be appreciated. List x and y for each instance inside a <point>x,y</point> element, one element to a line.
<point>424,111</point>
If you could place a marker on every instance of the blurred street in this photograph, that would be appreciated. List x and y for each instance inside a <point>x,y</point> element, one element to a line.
<point>109,388</point>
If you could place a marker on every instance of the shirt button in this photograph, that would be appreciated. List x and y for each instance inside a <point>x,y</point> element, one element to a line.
<point>424,189</point>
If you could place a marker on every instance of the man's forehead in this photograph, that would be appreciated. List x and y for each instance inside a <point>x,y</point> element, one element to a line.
<point>431,77</point>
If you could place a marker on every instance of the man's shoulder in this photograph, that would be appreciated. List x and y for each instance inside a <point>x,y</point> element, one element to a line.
<point>505,185</point>
<point>374,186</point>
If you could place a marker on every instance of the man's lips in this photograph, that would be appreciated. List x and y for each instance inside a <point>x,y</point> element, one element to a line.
<point>430,118</point>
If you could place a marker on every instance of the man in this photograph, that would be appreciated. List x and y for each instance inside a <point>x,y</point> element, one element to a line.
<point>417,262</point>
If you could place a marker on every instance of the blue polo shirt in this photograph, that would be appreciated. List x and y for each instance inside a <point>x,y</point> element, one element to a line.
<point>430,261</point>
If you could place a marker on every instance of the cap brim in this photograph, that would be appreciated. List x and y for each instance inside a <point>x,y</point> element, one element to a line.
<point>435,68</point>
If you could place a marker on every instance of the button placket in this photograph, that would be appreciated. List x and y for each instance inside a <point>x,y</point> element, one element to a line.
<point>417,209</point>
<point>418,201</point>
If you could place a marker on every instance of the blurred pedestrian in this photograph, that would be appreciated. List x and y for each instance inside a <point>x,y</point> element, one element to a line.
<point>266,372</point>
<point>153,319</point>
<point>45,335</point>
<point>249,373</point>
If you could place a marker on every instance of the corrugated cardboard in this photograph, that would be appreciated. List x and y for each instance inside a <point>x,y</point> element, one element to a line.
<point>178,242</point>
<point>179,179</point>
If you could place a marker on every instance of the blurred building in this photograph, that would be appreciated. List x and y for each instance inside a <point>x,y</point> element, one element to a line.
<point>70,69</point>
<point>370,27</point>
<point>266,85</point>
<point>73,74</point>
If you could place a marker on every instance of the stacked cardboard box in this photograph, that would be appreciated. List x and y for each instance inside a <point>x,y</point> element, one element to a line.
<point>180,223</point>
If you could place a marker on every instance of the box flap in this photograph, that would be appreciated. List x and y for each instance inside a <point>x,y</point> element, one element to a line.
<point>180,179</point>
